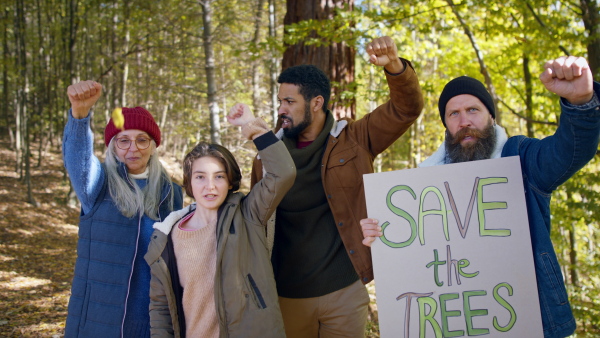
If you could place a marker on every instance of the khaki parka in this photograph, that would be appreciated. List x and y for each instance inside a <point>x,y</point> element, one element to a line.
<point>245,292</point>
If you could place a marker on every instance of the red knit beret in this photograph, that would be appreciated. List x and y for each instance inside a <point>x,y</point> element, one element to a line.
<point>135,118</point>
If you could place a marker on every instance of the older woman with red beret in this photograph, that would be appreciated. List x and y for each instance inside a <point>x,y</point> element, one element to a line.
<point>120,201</point>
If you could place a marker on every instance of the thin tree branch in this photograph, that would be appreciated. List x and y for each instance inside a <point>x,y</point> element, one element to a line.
<point>524,117</point>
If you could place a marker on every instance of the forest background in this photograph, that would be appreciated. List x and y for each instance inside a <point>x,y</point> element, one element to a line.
<point>189,61</point>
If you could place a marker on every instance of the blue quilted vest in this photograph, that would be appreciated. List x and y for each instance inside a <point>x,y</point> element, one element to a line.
<point>106,251</point>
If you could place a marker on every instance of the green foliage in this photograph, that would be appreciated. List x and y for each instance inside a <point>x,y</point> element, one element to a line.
<point>339,28</point>
<point>151,53</point>
<point>507,33</point>
<point>576,213</point>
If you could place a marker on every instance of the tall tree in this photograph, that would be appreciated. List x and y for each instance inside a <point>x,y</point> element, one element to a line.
<point>71,25</point>
<point>478,52</point>
<point>22,98</point>
<point>333,56</point>
<point>273,60</point>
<point>125,46</point>
<point>209,66</point>
<point>256,93</point>
<point>6,66</point>
<point>590,13</point>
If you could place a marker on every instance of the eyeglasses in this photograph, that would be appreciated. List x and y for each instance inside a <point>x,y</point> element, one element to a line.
<point>141,143</point>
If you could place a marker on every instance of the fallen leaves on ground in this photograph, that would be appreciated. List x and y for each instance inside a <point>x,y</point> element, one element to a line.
<point>37,249</point>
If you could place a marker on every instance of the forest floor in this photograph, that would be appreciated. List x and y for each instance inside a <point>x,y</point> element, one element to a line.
<point>38,250</point>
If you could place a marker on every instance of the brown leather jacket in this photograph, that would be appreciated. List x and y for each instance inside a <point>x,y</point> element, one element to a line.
<point>350,152</point>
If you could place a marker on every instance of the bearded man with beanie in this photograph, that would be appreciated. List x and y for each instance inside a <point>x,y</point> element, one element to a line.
<point>467,111</point>
<point>319,262</point>
<point>120,201</point>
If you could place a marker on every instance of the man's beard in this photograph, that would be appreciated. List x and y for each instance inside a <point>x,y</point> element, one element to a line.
<point>294,132</point>
<point>481,149</point>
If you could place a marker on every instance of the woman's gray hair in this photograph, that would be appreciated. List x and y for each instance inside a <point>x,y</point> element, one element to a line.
<point>128,197</point>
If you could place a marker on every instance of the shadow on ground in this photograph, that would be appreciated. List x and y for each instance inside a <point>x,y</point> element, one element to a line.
<point>37,249</point>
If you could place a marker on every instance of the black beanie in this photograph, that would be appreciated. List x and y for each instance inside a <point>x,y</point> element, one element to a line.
<point>465,85</point>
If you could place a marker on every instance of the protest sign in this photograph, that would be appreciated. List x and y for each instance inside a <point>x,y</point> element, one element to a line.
<point>455,258</point>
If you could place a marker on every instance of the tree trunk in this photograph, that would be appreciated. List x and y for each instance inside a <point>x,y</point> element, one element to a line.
<point>5,82</point>
<point>116,85</point>
<point>591,19</point>
<point>22,95</point>
<point>273,61</point>
<point>528,95</point>
<point>482,66</point>
<point>209,66</point>
<point>20,98</point>
<point>256,94</point>
<point>573,256</point>
<point>336,59</point>
<point>224,104</point>
<point>40,76</point>
<point>73,21</point>
<point>125,48</point>
<point>73,24</point>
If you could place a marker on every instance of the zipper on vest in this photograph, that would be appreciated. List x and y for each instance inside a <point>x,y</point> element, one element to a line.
<point>137,241</point>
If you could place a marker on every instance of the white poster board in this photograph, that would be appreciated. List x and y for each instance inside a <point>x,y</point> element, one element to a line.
<point>455,259</point>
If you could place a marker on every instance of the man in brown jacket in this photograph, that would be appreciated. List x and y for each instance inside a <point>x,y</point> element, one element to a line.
<point>319,262</point>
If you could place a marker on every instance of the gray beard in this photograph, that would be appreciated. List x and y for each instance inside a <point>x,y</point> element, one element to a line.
<point>480,150</point>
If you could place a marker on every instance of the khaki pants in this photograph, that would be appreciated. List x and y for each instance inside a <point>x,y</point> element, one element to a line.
<point>342,313</point>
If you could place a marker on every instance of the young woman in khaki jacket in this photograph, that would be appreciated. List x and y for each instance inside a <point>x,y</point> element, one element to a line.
<point>210,263</point>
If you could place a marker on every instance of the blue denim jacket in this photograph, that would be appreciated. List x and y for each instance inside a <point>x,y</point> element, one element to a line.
<point>546,164</point>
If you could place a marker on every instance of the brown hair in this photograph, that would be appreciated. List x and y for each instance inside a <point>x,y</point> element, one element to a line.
<point>234,175</point>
